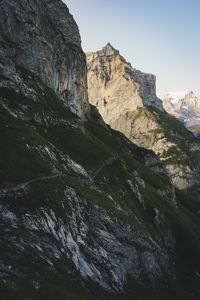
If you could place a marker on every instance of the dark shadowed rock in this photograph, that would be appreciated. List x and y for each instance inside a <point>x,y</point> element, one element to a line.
<point>42,37</point>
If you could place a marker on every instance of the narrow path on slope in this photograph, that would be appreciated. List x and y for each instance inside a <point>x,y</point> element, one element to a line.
<point>106,162</point>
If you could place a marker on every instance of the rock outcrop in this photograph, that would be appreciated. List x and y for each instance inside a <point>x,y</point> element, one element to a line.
<point>42,37</point>
<point>185,106</point>
<point>81,215</point>
<point>126,99</point>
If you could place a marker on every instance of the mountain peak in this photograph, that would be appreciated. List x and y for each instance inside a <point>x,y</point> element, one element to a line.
<point>186,107</point>
<point>109,46</point>
<point>176,97</point>
<point>109,50</point>
<point>115,87</point>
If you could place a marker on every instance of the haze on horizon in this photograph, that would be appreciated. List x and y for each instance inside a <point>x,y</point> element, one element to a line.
<point>159,37</point>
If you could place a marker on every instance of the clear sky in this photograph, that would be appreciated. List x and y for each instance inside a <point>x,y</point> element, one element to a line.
<point>156,36</point>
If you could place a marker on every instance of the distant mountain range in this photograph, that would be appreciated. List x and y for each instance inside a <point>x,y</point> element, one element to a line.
<point>186,107</point>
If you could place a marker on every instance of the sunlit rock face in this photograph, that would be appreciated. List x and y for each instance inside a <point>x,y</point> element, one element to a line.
<point>126,99</point>
<point>115,87</point>
<point>43,38</point>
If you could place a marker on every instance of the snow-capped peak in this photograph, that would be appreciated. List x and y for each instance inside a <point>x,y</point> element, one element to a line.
<point>185,106</point>
<point>175,96</point>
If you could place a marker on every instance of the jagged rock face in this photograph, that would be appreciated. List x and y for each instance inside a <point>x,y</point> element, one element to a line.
<point>81,215</point>
<point>43,38</point>
<point>184,106</point>
<point>115,87</point>
<point>126,99</point>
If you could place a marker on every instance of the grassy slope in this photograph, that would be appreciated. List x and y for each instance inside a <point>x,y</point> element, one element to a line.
<point>170,129</point>
<point>90,145</point>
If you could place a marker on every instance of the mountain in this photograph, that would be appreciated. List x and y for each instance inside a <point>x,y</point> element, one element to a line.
<point>107,69</point>
<point>126,99</point>
<point>82,213</point>
<point>185,106</point>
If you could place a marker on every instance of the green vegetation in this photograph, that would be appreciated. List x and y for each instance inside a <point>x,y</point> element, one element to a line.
<point>144,112</point>
<point>173,156</point>
<point>111,160</point>
<point>175,126</point>
<point>20,157</point>
<point>157,131</point>
<point>171,131</point>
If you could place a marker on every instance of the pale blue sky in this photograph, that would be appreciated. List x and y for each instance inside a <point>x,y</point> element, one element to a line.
<point>157,36</point>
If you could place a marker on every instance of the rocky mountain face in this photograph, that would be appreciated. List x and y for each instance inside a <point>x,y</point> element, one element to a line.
<point>43,38</point>
<point>115,87</point>
<point>185,106</point>
<point>82,213</point>
<point>126,99</point>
